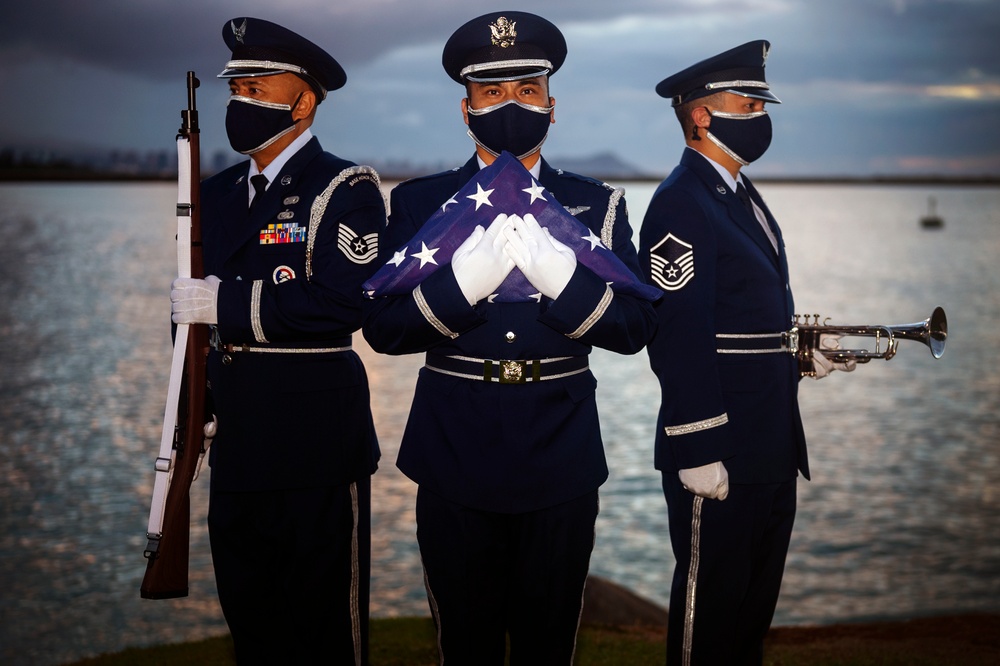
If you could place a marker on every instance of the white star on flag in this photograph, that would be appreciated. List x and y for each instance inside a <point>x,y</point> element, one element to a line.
<point>481,196</point>
<point>593,239</point>
<point>444,206</point>
<point>398,257</point>
<point>535,191</point>
<point>425,255</point>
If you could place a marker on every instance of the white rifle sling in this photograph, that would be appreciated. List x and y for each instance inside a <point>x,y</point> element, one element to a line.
<point>165,459</point>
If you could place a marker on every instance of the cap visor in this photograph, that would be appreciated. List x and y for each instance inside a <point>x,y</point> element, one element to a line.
<point>755,93</point>
<point>242,72</point>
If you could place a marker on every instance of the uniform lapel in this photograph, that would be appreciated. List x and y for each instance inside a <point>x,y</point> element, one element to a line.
<point>738,215</point>
<point>233,212</point>
<point>243,226</point>
<point>759,200</point>
<point>771,222</point>
<point>550,180</point>
<point>286,182</point>
<point>467,172</point>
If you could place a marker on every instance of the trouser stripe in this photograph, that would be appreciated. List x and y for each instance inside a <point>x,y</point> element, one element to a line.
<point>437,615</point>
<point>583,590</point>
<point>355,579</point>
<point>692,581</point>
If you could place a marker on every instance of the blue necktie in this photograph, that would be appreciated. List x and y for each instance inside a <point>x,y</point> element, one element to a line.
<point>741,192</point>
<point>259,183</point>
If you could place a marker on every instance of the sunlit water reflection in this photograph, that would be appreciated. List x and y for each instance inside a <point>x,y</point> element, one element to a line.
<point>901,517</point>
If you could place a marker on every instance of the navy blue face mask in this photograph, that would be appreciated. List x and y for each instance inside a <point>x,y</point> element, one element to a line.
<point>518,128</point>
<point>742,136</point>
<point>252,125</point>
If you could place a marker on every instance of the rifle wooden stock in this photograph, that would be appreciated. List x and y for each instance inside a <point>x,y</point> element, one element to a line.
<point>167,553</point>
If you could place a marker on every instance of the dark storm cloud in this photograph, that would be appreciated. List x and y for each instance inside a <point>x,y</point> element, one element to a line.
<point>913,40</point>
<point>865,82</point>
<point>922,42</point>
<point>147,38</point>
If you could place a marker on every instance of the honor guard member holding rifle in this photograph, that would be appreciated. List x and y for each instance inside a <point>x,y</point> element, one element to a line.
<point>508,473</point>
<point>729,437</point>
<point>289,237</point>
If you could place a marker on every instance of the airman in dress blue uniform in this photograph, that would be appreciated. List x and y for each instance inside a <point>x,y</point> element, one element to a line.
<point>295,445</point>
<point>508,473</point>
<point>729,440</point>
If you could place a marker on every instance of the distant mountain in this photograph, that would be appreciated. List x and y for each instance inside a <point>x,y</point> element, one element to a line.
<point>606,166</point>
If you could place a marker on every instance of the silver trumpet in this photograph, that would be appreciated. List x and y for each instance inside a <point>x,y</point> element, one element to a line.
<point>932,332</point>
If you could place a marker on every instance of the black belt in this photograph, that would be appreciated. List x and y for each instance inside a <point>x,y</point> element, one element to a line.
<point>312,347</point>
<point>758,343</point>
<point>506,371</point>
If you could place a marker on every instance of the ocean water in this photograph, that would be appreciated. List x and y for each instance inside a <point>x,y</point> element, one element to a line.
<point>901,519</point>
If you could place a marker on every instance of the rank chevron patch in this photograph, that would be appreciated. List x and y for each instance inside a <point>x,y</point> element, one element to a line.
<point>671,263</point>
<point>359,249</point>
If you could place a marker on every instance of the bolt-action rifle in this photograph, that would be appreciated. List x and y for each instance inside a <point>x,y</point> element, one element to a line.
<point>182,441</point>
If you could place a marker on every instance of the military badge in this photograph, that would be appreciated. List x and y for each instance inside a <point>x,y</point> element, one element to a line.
<point>671,263</point>
<point>282,274</point>
<point>240,32</point>
<point>359,249</point>
<point>503,33</point>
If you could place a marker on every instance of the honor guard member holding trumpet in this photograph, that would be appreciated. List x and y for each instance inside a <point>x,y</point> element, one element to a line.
<point>289,237</point>
<point>729,439</point>
<point>508,473</point>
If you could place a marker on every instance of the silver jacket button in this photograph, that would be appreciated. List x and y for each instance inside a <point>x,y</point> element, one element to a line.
<point>510,337</point>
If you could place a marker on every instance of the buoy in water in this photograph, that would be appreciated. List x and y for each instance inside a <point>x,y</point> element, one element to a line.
<point>931,220</point>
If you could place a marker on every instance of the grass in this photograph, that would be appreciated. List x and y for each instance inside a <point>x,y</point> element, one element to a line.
<point>400,642</point>
<point>967,640</point>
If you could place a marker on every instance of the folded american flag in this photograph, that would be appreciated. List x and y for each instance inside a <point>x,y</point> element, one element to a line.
<point>503,187</point>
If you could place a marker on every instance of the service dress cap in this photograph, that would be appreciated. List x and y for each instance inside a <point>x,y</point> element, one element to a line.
<point>262,48</point>
<point>739,71</point>
<point>504,46</point>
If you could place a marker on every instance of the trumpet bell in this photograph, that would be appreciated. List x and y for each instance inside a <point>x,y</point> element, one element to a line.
<point>937,332</point>
<point>932,332</point>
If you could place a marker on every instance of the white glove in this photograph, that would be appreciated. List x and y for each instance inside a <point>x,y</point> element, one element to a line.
<point>211,428</point>
<point>547,263</point>
<point>822,366</point>
<point>195,301</point>
<point>480,263</point>
<point>210,431</point>
<point>710,481</point>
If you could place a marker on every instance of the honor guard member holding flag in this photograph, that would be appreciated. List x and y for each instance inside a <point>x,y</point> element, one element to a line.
<point>508,473</point>
<point>289,237</point>
<point>729,441</point>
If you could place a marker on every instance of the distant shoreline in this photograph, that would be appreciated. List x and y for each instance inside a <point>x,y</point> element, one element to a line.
<point>71,176</point>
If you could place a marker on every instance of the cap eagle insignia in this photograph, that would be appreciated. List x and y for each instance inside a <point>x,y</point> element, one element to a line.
<point>240,31</point>
<point>763,60</point>
<point>503,32</point>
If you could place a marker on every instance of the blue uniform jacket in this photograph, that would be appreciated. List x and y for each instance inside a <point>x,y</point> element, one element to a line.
<point>738,408</point>
<point>291,420</point>
<point>508,448</point>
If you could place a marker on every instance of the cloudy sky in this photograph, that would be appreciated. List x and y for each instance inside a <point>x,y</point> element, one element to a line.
<point>869,86</point>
